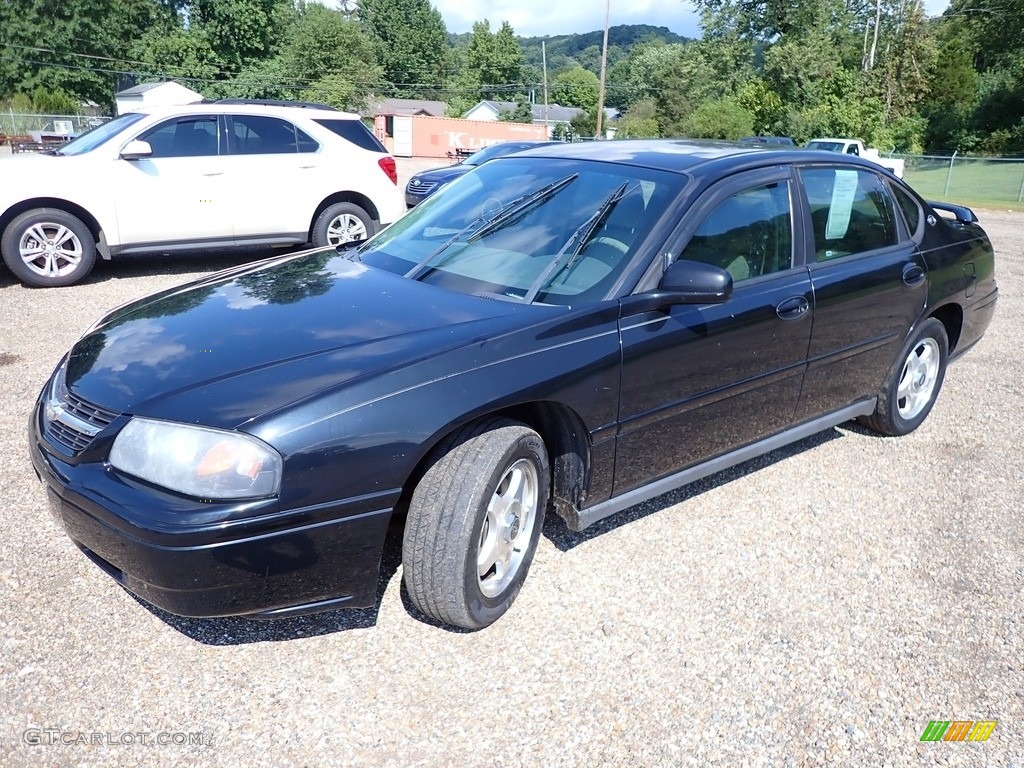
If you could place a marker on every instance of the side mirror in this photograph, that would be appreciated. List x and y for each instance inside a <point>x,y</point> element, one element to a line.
<point>684,282</point>
<point>694,282</point>
<point>136,150</point>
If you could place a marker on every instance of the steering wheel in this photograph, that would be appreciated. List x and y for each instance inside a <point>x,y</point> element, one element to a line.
<point>611,242</point>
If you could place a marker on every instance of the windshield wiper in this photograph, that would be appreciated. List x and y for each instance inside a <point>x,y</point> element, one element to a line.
<point>580,238</point>
<point>495,219</point>
<point>521,206</point>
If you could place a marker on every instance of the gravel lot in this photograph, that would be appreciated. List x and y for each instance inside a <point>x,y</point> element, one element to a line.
<point>817,606</point>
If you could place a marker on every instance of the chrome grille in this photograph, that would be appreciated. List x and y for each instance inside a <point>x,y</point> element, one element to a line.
<point>86,411</point>
<point>421,186</point>
<point>68,437</point>
<point>64,431</point>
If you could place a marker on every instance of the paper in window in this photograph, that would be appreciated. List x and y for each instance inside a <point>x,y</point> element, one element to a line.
<point>844,192</point>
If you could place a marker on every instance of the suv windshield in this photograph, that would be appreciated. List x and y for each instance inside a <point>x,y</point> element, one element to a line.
<point>529,229</point>
<point>92,138</point>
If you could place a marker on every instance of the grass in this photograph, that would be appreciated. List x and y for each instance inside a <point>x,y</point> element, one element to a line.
<point>983,183</point>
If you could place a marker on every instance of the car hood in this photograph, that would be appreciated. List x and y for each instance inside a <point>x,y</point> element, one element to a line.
<point>444,175</point>
<point>238,345</point>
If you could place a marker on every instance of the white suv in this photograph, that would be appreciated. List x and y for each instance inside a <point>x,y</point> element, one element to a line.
<point>210,175</point>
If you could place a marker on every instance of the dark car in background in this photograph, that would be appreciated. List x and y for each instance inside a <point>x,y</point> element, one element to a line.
<point>424,184</point>
<point>775,141</point>
<point>570,330</point>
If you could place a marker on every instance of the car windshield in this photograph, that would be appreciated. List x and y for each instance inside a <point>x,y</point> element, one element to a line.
<point>528,229</point>
<point>826,146</point>
<point>94,137</point>
<point>489,153</point>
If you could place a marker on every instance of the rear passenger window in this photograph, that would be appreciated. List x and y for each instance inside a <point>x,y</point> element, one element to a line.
<point>911,210</point>
<point>255,135</point>
<point>748,234</point>
<point>851,211</point>
<point>355,132</point>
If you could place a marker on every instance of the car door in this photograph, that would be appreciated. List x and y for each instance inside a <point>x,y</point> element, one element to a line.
<point>176,194</point>
<point>869,285</point>
<point>699,381</point>
<point>271,171</point>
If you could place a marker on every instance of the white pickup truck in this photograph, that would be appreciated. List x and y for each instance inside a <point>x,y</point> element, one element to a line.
<point>856,147</point>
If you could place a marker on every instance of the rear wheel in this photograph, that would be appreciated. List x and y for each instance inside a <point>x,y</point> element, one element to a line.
<point>474,521</point>
<point>342,223</point>
<point>48,247</point>
<point>913,384</point>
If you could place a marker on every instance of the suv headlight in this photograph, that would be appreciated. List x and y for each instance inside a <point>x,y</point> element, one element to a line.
<point>198,461</point>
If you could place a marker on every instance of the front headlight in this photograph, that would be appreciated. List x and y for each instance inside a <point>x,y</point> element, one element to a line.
<point>199,461</point>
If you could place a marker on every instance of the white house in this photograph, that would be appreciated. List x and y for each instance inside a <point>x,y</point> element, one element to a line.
<point>154,95</point>
<point>555,114</point>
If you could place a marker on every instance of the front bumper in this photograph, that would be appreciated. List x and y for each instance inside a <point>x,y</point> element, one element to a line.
<point>220,559</point>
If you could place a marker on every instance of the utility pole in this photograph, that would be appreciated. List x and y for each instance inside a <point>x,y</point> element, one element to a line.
<point>544,61</point>
<point>604,62</point>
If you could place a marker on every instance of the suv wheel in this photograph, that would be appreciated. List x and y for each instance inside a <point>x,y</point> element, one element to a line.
<point>48,247</point>
<point>342,223</point>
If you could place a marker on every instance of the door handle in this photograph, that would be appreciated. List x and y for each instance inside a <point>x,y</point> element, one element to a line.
<point>793,308</point>
<point>214,173</point>
<point>913,274</point>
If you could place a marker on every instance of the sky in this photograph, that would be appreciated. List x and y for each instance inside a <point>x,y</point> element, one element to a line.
<point>544,17</point>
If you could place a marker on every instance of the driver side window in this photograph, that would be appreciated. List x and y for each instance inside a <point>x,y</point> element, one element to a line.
<point>748,234</point>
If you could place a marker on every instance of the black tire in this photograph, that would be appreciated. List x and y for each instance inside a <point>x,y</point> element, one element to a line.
<point>449,525</point>
<point>324,235</point>
<point>898,415</point>
<point>59,263</point>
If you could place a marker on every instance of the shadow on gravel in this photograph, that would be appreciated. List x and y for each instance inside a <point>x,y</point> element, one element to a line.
<point>240,631</point>
<point>187,264</point>
<point>558,534</point>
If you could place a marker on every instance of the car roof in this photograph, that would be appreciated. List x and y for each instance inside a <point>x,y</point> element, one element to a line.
<point>689,156</point>
<point>250,108</point>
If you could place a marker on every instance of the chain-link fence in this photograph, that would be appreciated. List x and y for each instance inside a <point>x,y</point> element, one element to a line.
<point>965,179</point>
<point>13,124</point>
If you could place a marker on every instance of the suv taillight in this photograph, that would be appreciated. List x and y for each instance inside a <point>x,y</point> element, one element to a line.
<point>387,164</point>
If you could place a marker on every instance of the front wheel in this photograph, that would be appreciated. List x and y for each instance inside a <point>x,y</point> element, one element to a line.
<point>474,522</point>
<point>342,223</point>
<point>48,247</point>
<point>913,385</point>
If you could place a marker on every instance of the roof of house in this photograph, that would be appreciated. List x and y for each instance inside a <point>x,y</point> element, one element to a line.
<point>556,112</point>
<point>137,90</point>
<point>406,107</point>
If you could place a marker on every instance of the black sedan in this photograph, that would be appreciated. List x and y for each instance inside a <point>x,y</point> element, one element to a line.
<point>572,330</point>
<point>424,184</point>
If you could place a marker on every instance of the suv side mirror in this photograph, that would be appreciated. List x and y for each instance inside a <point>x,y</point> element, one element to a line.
<point>136,150</point>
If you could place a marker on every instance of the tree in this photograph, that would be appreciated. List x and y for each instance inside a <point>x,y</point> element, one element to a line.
<point>523,113</point>
<point>577,87</point>
<point>585,123</point>
<point>328,54</point>
<point>182,54</point>
<point>721,118</point>
<point>639,122</point>
<point>72,46</point>
<point>494,61</point>
<point>241,32</point>
<point>410,40</point>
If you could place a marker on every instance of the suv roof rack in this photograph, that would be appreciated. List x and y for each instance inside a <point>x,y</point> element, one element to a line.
<point>278,103</point>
